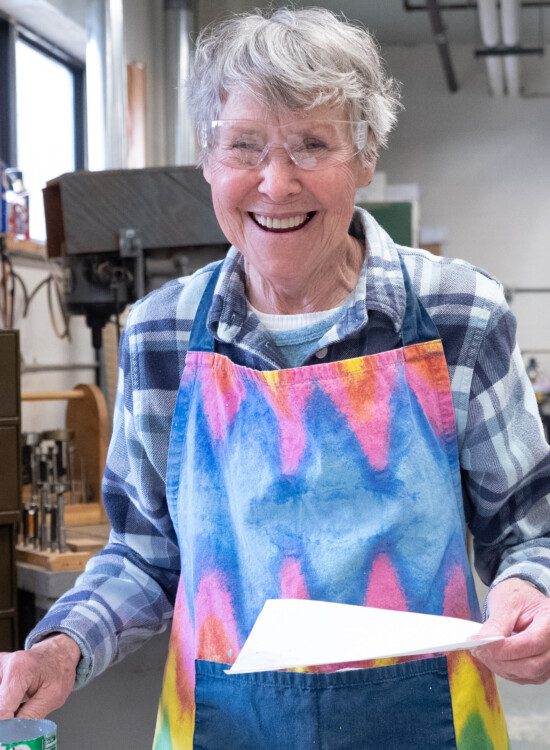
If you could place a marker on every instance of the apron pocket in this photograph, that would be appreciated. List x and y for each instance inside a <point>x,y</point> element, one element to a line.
<point>402,706</point>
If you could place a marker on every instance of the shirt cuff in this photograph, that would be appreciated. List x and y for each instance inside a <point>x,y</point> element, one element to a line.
<point>84,669</point>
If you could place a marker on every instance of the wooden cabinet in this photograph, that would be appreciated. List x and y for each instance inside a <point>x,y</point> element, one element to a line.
<point>10,462</point>
<point>10,483</point>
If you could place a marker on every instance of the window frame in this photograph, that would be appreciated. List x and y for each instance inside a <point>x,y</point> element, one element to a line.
<point>8,121</point>
<point>10,32</point>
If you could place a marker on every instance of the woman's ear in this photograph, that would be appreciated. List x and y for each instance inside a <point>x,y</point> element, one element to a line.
<point>365,173</point>
<point>206,173</point>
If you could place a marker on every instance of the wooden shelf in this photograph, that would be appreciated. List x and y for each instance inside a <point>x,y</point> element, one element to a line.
<point>26,246</point>
<point>75,561</point>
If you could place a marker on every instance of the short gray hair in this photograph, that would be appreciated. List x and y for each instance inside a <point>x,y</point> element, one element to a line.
<point>296,60</point>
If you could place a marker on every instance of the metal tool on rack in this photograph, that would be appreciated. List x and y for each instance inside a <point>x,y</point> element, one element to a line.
<point>49,461</point>
<point>71,477</point>
<point>45,496</point>
<point>56,487</point>
<point>30,533</point>
<point>60,520</point>
<point>45,514</point>
<point>62,459</point>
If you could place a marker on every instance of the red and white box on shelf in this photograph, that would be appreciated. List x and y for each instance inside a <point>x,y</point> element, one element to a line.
<point>15,205</point>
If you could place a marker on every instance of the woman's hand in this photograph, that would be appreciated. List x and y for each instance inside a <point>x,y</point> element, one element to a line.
<point>35,682</point>
<point>521,613</point>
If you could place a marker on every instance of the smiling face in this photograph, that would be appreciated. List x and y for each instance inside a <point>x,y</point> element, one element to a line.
<point>290,224</point>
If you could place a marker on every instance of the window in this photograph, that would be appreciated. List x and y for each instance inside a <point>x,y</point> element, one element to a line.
<point>43,129</point>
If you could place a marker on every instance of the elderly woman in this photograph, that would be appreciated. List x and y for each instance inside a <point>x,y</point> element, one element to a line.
<point>318,447</point>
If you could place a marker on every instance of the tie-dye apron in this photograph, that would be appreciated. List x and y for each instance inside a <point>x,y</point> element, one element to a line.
<point>337,482</point>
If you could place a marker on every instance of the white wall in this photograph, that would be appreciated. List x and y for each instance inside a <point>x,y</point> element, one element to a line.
<point>74,9</point>
<point>483,168</point>
<point>41,347</point>
<point>59,21</point>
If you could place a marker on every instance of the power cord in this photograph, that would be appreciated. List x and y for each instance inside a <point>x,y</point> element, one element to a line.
<point>9,274</point>
<point>10,278</point>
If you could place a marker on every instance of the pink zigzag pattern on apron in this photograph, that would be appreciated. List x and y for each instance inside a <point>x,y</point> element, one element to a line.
<point>292,582</point>
<point>223,392</point>
<point>288,400</point>
<point>455,602</point>
<point>216,628</point>
<point>384,590</point>
<point>362,393</point>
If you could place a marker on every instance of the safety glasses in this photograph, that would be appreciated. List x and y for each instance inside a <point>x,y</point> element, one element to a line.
<point>310,144</point>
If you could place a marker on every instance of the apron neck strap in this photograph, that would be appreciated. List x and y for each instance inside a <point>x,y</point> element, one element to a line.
<point>418,327</point>
<point>201,340</point>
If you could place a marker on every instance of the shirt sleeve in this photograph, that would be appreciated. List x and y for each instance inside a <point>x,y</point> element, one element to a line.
<point>127,591</point>
<point>505,462</point>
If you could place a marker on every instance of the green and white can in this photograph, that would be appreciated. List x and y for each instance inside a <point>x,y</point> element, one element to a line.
<point>28,734</point>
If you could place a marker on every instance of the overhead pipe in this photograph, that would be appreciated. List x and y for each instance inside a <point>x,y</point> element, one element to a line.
<point>489,24</point>
<point>179,26</point>
<point>105,85</point>
<point>8,116</point>
<point>509,16</point>
<point>471,5</point>
<point>439,32</point>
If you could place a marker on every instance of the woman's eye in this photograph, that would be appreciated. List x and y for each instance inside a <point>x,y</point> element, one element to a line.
<point>245,146</point>
<point>313,145</point>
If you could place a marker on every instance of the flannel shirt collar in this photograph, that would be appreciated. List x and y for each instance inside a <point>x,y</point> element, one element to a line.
<point>380,287</point>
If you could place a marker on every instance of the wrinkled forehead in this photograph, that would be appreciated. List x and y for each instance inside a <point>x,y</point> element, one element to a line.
<point>240,105</point>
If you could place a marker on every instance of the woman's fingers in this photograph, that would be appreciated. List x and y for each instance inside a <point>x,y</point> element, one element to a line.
<point>12,685</point>
<point>521,613</point>
<point>33,683</point>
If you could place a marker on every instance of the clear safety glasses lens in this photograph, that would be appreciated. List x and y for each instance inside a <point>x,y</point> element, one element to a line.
<point>310,144</point>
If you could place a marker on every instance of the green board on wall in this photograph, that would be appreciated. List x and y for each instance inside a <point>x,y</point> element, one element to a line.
<point>396,218</point>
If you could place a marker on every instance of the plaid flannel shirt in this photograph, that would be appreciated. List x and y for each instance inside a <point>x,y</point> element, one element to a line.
<point>127,591</point>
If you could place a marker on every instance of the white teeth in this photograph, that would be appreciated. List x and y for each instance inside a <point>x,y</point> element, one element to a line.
<point>269,223</point>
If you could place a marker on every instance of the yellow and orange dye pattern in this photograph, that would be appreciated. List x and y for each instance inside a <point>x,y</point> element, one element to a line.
<point>477,713</point>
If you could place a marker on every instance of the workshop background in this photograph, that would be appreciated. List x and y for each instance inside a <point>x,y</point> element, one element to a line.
<point>98,84</point>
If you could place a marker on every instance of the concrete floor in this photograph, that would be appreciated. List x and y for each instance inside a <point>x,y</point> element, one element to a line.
<point>527,709</point>
<point>117,710</point>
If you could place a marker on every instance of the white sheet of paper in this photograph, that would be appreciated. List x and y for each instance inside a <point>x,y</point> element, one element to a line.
<point>300,633</point>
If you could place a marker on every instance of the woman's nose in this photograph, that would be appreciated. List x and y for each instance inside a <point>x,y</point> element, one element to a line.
<point>279,176</point>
